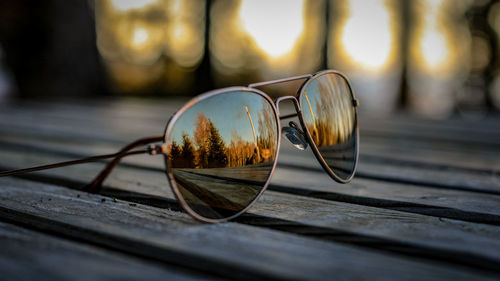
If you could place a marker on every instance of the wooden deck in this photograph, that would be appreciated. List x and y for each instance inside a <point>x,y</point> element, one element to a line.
<point>425,205</point>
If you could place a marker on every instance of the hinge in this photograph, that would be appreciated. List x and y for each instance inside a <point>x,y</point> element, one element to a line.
<point>355,102</point>
<point>154,149</point>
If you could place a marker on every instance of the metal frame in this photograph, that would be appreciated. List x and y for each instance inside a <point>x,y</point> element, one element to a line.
<point>168,132</point>
<point>275,106</point>
<point>315,150</point>
<point>157,149</point>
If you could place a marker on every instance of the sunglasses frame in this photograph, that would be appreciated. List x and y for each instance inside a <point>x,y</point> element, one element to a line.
<point>157,149</point>
<point>355,104</point>
<point>275,106</point>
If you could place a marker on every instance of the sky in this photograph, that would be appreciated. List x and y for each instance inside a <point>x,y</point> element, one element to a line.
<point>227,111</point>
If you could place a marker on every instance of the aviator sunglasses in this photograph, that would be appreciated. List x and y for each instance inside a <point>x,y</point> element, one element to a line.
<point>221,148</point>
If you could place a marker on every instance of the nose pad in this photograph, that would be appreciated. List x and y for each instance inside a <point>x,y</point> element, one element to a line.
<point>295,136</point>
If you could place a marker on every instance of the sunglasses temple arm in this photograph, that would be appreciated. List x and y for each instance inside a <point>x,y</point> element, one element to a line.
<point>68,163</point>
<point>96,185</point>
<point>97,182</point>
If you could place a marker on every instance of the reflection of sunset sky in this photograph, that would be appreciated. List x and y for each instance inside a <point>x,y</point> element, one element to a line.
<point>227,112</point>
<point>311,88</point>
<point>331,104</point>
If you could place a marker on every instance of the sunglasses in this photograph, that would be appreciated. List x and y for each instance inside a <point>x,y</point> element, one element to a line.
<point>221,148</point>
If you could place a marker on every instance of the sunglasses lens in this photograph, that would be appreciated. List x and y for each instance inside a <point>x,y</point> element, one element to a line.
<point>222,151</point>
<point>330,118</point>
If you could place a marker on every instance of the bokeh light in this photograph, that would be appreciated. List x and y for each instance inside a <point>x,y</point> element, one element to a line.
<point>439,55</point>
<point>255,40</point>
<point>417,52</point>
<point>257,18</point>
<point>144,42</point>
<point>126,5</point>
<point>494,21</point>
<point>432,43</point>
<point>364,38</point>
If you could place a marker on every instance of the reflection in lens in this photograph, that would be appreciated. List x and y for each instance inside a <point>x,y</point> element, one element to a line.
<point>330,118</point>
<point>222,151</point>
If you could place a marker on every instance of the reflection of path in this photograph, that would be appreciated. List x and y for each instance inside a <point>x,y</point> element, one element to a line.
<point>251,174</point>
<point>220,192</point>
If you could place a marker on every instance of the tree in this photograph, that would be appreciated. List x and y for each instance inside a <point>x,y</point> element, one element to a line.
<point>201,135</point>
<point>187,154</point>
<point>267,137</point>
<point>175,155</point>
<point>217,157</point>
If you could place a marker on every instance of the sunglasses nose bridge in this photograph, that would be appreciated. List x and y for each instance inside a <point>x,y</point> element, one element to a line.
<point>292,98</point>
<point>295,135</point>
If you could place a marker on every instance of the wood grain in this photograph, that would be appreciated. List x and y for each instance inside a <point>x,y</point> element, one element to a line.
<point>31,255</point>
<point>423,206</point>
<point>419,233</point>
<point>233,250</point>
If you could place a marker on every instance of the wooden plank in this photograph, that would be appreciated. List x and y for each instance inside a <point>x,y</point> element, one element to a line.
<point>484,131</point>
<point>393,171</point>
<point>456,142</point>
<point>454,129</point>
<point>229,249</point>
<point>442,176</point>
<point>378,147</point>
<point>432,160</point>
<point>422,194</point>
<point>387,190</point>
<point>30,255</point>
<point>408,197</point>
<point>133,112</point>
<point>422,234</point>
<point>365,191</point>
<point>305,159</point>
<point>425,155</point>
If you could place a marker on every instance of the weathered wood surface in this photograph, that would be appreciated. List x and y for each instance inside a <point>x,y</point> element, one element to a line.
<point>425,204</point>
<point>32,255</point>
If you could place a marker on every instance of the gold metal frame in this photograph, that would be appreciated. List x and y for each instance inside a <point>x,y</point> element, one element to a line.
<point>275,106</point>
<point>315,150</point>
<point>157,149</point>
<point>168,132</point>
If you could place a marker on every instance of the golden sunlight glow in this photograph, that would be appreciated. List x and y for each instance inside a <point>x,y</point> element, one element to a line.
<point>179,32</point>
<point>176,7</point>
<point>150,41</point>
<point>434,47</point>
<point>184,36</point>
<point>274,25</point>
<point>269,39</point>
<point>366,36</point>
<point>140,37</point>
<point>125,5</point>
<point>440,55</point>
<point>365,40</point>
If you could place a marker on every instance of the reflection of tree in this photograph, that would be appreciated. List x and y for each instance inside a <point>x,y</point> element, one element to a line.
<point>175,154</point>
<point>207,149</point>
<point>211,150</point>
<point>267,133</point>
<point>201,134</point>
<point>238,151</point>
<point>334,113</point>
<point>187,154</point>
<point>217,151</point>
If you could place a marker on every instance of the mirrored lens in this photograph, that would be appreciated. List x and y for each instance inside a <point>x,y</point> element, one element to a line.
<point>330,118</point>
<point>222,151</point>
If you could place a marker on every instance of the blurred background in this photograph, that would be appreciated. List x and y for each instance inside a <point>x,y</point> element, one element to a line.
<point>435,58</point>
